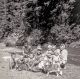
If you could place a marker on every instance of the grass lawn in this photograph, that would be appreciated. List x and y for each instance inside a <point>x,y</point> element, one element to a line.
<point>72,71</point>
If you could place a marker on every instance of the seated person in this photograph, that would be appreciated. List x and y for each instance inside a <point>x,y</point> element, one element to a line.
<point>56,63</point>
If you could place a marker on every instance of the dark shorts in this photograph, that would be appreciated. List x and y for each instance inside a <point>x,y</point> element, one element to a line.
<point>62,65</point>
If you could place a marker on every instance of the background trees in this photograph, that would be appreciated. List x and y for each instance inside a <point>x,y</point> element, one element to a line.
<point>37,22</point>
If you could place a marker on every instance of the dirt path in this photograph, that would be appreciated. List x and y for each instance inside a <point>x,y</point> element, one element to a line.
<point>72,71</point>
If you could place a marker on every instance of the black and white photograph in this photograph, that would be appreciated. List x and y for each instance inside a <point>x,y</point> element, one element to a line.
<point>39,39</point>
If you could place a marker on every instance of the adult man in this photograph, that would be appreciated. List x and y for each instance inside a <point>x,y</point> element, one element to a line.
<point>63,56</point>
<point>37,55</point>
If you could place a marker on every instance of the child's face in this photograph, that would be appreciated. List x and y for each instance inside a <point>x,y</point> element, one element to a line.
<point>62,47</point>
<point>39,52</point>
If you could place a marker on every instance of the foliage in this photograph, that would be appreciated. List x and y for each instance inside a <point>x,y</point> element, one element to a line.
<point>37,22</point>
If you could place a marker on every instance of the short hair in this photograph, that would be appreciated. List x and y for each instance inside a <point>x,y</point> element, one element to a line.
<point>62,46</point>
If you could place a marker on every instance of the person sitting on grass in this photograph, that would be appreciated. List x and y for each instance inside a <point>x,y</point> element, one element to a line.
<point>36,59</point>
<point>45,59</point>
<point>56,63</point>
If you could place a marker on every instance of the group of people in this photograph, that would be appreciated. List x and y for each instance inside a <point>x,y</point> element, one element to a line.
<point>53,59</point>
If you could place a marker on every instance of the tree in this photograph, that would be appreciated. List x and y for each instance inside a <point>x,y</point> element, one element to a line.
<point>62,28</point>
<point>49,17</point>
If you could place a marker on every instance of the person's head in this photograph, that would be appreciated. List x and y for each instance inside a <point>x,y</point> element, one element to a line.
<point>50,47</point>
<point>39,52</point>
<point>53,47</point>
<point>39,47</point>
<point>57,52</point>
<point>62,46</point>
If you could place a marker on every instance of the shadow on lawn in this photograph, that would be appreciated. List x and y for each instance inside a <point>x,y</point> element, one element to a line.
<point>74,56</point>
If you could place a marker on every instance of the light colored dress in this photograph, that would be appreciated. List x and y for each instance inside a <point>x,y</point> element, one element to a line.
<point>64,54</point>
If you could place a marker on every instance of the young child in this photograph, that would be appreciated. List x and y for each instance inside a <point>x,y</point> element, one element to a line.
<point>56,55</point>
<point>63,56</point>
<point>56,63</point>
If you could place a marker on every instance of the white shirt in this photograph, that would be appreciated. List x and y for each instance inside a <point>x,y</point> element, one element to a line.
<point>64,54</point>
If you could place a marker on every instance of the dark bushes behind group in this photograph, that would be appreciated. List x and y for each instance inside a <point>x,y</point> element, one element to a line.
<point>36,22</point>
